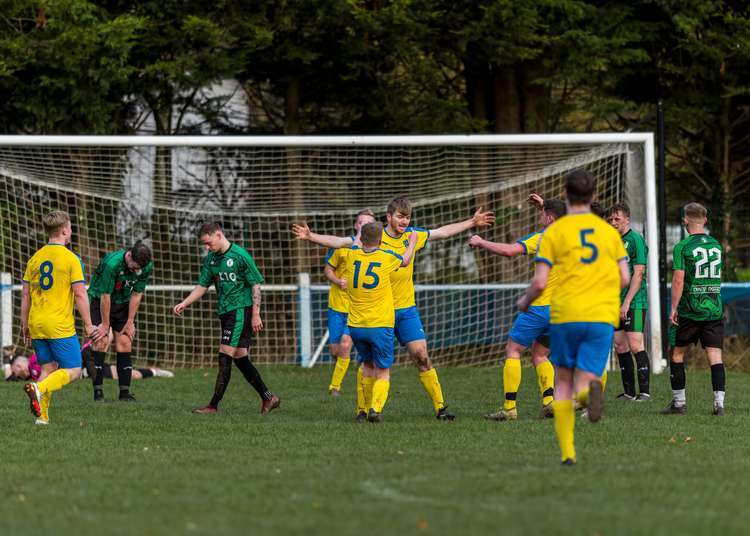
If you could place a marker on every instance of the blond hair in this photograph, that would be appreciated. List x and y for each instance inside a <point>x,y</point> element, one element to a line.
<point>55,222</point>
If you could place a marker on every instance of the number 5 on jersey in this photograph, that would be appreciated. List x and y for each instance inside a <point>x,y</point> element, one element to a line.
<point>594,251</point>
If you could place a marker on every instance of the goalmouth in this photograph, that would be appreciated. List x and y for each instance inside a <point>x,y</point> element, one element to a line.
<point>119,189</point>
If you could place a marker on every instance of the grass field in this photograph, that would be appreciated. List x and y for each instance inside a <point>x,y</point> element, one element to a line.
<point>155,468</point>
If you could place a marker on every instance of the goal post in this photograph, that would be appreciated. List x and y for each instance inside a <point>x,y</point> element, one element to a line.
<point>119,189</point>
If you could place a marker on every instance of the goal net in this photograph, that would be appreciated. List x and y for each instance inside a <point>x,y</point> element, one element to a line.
<point>122,189</point>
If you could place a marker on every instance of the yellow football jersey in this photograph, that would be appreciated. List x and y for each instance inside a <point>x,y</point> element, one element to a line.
<point>403,280</point>
<point>530,245</point>
<point>370,287</point>
<point>338,299</point>
<point>50,274</point>
<point>585,251</point>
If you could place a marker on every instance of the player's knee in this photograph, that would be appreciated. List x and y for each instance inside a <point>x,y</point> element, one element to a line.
<point>74,373</point>
<point>621,347</point>
<point>123,344</point>
<point>345,348</point>
<point>538,359</point>
<point>513,350</point>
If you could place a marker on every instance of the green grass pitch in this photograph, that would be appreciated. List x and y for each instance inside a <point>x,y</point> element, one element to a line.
<point>155,468</point>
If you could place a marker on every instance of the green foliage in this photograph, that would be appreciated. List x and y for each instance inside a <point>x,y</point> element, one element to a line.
<point>64,66</point>
<point>397,66</point>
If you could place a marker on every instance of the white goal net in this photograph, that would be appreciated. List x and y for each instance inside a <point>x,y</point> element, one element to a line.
<point>122,189</point>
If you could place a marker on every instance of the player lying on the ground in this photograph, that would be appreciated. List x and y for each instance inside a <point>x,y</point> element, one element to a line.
<point>232,270</point>
<point>531,328</point>
<point>591,265</point>
<point>697,309</point>
<point>116,291</point>
<point>52,283</point>
<point>22,368</point>
<point>408,327</point>
<point>338,307</point>
<point>629,332</point>
<point>372,314</point>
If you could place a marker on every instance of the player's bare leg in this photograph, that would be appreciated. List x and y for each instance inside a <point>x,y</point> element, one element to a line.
<point>429,378</point>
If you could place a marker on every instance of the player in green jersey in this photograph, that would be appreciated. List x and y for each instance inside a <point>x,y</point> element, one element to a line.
<point>116,291</point>
<point>237,280</point>
<point>634,297</point>
<point>697,310</point>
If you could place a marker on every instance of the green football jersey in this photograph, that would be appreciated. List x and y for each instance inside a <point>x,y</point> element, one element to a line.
<point>234,273</point>
<point>702,259</point>
<point>113,277</point>
<point>637,250</point>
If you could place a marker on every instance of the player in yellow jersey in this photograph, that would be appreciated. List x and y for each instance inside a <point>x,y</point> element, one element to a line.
<point>531,328</point>
<point>408,328</point>
<point>591,265</point>
<point>52,282</point>
<point>372,313</point>
<point>338,306</point>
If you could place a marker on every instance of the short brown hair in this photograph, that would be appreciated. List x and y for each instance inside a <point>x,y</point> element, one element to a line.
<point>208,228</point>
<point>580,186</point>
<point>400,204</point>
<point>695,211</point>
<point>141,254</point>
<point>556,207</point>
<point>365,212</point>
<point>619,207</point>
<point>371,234</point>
<point>55,221</point>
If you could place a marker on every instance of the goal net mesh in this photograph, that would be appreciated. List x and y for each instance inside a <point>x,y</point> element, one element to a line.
<point>466,298</point>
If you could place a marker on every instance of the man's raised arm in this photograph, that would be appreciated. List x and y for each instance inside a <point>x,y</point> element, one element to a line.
<point>480,219</point>
<point>303,232</point>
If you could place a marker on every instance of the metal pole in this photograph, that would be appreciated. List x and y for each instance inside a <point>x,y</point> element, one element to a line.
<point>662,225</point>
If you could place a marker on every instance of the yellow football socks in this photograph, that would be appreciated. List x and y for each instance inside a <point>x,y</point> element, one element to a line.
<point>361,406</point>
<point>511,382</point>
<point>583,397</point>
<point>54,382</point>
<point>565,420</point>
<point>380,394</point>
<point>367,388</point>
<point>604,381</point>
<point>46,401</point>
<point>339,371</point>
<point>431,384</point>
<point>545,375</point>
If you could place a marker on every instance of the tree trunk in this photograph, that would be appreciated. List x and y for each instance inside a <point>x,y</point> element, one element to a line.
<point>292,124</point>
